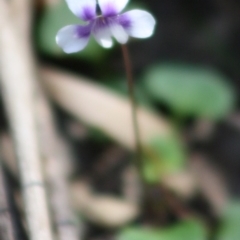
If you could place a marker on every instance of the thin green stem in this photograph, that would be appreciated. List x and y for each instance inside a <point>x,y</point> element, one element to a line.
<point>130,82</point>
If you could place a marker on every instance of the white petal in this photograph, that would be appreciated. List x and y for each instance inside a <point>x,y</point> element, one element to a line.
<point>119,33</point>
<point>112,7</point>
<point>70,40</point>
<point>140,24</point>
<point>84,9</point>
<point>103,37</point>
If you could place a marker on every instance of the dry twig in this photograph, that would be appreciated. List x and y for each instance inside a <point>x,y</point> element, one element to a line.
<point>18,95</point>
<point>54,153</point>
<point>6,223</point>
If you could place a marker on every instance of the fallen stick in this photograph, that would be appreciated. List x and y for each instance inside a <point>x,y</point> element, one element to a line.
<point>101,108</point>
<point>7,231</point>
<point>56,169</point>
<point>18,95</point>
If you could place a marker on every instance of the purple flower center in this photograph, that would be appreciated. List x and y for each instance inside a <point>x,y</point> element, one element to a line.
<point>100,22</point>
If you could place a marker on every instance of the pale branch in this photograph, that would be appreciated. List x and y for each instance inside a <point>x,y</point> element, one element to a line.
<point>7,231</point>
<point>17,85</point>
<point>57,179</point>
<point>56,160</point>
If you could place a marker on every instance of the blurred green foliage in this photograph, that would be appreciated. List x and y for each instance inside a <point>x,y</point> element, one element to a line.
<point>167,156</point>
<point>230,225</point>
<point>188,230</point>
<point>190,90</point>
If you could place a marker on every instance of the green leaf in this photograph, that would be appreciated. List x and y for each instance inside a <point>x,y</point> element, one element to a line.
<point>53,19</point>
<point>190,90</point>
<point>188,230</point>
<point>167,156</point>
<point>230,226</point>
<point>140,234</point>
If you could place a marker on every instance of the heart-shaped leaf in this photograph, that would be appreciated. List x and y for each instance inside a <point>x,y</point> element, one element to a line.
<point>188,230</point>
<point>190,90</point>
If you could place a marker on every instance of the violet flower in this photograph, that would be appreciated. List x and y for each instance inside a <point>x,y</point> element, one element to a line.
<point>134,23</point>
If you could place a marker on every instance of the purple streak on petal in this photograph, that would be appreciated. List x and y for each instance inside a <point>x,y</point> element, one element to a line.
<point>83,31</point>
<point>125,21</point>
<point>109,10</point>
<point>88,14</point>
<point>73,38</point>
